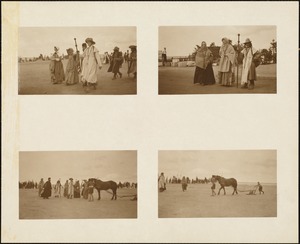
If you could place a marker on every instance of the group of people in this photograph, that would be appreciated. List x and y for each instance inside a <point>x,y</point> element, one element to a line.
<point>84,67</point>
<point>204,74</point>
<point>184,183</point>
<point>69,190</point>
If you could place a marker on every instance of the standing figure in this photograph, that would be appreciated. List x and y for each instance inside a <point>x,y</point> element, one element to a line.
<point>90,64</point>
<point>47,189</point>
<point>213,187</point>
<point>40,186</point>
<point>115,63</point>
<point>248,68</point>
<point>227,54</point>
<point>56,67</point>
<point>85,189</point>
<point>57,189</point>
<point>90,191</point>
<point>204,74</point>
<point>132,58</point>
<point>77,189</point>
<point>260,188</point>
<point>184,183</point>
<point>161,182</point>
<point>71,189</point>
<point>164,56</point>
<point>72,76</point>
<point>66,188</point>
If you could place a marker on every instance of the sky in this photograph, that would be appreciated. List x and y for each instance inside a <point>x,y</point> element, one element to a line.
<point>34,41</point>
<point>105,165</point>
<point>244,165</point>
<point>181,40</point>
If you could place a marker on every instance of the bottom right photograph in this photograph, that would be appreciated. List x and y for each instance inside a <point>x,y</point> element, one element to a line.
<point>217,183</point>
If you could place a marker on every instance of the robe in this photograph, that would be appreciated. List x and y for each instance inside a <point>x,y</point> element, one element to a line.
<point>40,186</point>
<point>91,62</point>
<point>72,76</point>
<point>204,73</point>
<point>71,189</point>
<point>56,69</point>
<point>248,68</point>
<point>132,63</point>
<point>47,189</point>
<point>227,60</point>
<point>161,182</point>
<point>116,62</point>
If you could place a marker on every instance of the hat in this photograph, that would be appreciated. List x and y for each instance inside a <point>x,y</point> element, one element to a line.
<point>69,50</point>
<point>132,46</point>
<point>247,41</point>
<point>116,48</point>
<point>225,38</point>
<point>89,39</point>
<point>71,179</point>
<point>57,48</point>
<point>49,178</point>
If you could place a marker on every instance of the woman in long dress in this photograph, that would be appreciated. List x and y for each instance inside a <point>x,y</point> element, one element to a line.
<point>72,76</point>
<point>57,189</point>
<point>56,67</point>
<point>204,74</point>
<point>47,189</point>
<point>161,182</point>
<point>132,59</point>
<point>227,54</point>
<point>90,64</point>
<point>66,189</point>
<point>40,186</point>
<point>184,183</point>
<point>248,68</point>
<point>116,63</point>
<point>71,189</point>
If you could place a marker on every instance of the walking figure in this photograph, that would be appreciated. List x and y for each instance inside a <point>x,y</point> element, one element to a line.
<point>260,188</point>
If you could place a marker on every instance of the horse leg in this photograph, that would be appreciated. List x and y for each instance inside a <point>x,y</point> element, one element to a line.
<point>219,190</point>
<point>224,190</point>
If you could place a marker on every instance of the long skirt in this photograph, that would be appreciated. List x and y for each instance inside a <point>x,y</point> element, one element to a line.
<point>252,72</point>
<point>204,76</point>
<point>57,72</point>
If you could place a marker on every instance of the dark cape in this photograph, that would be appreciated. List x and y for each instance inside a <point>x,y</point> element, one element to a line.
<point>116,62</point>
<point>47,189</point>
<point>204,76</point>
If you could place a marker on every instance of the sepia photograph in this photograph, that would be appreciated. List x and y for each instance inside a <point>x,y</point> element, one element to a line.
<point>217,59</point>
<point>77,60</point>
<point>221,183</point>
<point>78,185</point>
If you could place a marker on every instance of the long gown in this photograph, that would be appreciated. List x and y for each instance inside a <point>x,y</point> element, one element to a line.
<point>47,189</point>
<point>56,69</point>
<point>91,62</point>
<point>248,68</point>
<point>72,76</point>
<point>132,68</point>
<point>227,54</point>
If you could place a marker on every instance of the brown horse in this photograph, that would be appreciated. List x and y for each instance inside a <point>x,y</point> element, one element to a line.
<point>105,185</point>
<point>226,182</point>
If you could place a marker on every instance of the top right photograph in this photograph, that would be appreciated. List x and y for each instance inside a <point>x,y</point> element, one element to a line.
<point>217,60</point>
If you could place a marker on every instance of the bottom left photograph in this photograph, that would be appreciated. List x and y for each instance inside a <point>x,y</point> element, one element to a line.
<point>77,184</point>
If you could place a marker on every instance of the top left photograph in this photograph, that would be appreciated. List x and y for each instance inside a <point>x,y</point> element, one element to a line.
<point>77,60</point>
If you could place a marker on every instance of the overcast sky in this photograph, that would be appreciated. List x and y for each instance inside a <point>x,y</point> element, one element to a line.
<point>105,165</point>
<point>180,41</point>
<point>245,166</point>
<point>34,41</point>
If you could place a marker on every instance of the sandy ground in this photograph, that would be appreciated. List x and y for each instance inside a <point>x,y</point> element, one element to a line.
<point>34,207</point>
<point>198,202</point>
<point>179,80</point>
<point>34,78</point>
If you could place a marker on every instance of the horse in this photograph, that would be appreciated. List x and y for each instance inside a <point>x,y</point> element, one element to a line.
<point>105,185</point>
<point>226,182</point>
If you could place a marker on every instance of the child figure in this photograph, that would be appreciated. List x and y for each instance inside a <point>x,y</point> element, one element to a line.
<point>213,187</point>
<point>260,188</point>
<point>90,191</point>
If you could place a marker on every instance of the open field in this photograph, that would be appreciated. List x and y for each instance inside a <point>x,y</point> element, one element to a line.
<point>34,78</point>
<point>179,80</point>
<point>198,202</point>
<point>34,207</point>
